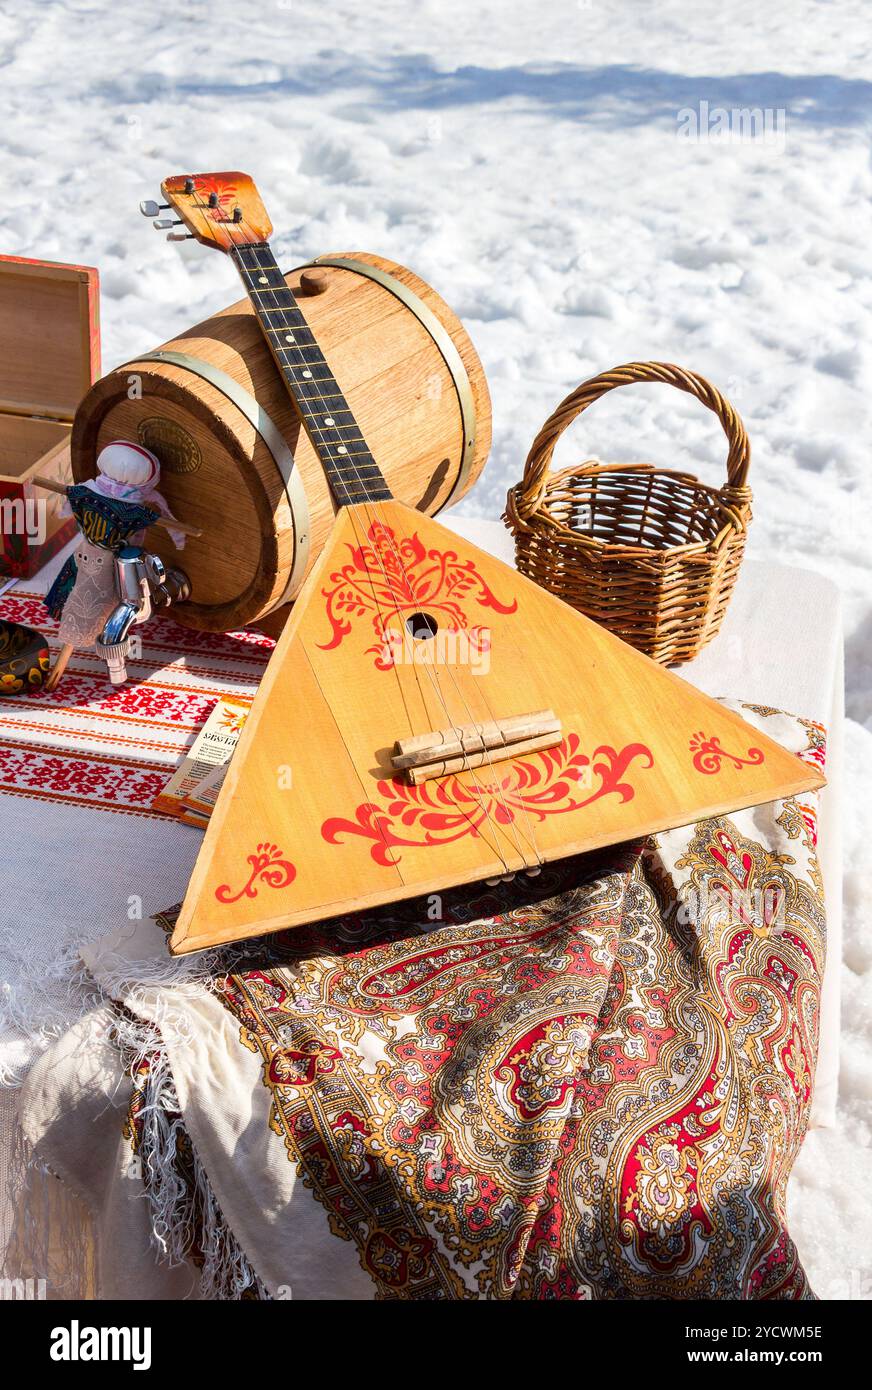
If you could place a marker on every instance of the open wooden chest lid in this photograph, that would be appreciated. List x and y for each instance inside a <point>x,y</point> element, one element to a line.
<point>49,336</point>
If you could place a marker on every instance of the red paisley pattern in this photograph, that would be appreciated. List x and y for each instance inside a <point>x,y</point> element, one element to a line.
<point>592,1094</point>
<point>289,1067</point>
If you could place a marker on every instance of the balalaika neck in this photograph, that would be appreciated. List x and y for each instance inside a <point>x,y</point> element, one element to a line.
<point>351,470</point>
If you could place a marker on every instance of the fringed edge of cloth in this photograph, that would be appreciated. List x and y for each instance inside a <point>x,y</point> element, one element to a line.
<point>52,1248</point>
<point>187,1224</point>
<point>53,1251</point>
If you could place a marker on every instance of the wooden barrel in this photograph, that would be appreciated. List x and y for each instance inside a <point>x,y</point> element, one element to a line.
<point>235,460</point>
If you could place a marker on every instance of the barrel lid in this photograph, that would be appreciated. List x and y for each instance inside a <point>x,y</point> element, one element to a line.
<point>49,336</point>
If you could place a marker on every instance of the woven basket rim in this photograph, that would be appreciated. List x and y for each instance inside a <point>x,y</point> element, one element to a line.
<point>735,518</point>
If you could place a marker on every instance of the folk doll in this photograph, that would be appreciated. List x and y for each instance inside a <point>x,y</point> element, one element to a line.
<point>129,473</point>
<point>112,510</point>
<point>84,593</point>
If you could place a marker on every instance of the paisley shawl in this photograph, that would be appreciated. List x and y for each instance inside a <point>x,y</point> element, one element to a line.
<point>595,1090</point>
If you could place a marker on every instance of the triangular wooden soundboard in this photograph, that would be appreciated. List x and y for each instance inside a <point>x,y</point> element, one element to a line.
<point>310,822</point>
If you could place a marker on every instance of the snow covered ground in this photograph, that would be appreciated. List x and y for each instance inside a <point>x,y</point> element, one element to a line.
<point>533,162</point>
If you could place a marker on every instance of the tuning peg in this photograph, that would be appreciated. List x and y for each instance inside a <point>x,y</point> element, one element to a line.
<point>163,222</point>
<point>149,208</point>
<point>179,236</point>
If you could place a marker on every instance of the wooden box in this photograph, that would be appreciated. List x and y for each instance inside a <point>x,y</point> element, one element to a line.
<point>49,357</point>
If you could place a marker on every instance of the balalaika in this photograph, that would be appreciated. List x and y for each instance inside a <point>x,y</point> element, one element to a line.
<point>430,717</point>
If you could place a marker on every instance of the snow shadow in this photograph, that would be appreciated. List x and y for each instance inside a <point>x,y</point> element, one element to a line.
<point>635,96</point>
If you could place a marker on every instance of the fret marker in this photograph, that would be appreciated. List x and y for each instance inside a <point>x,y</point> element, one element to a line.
<point>307,373</point>
<point>342,449</point>
<point>289,338</point>
<point>328,420</point>
<point>262,280</point>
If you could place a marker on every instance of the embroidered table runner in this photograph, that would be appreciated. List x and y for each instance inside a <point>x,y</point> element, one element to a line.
<point>594,1089</point>
<point>113,748</point>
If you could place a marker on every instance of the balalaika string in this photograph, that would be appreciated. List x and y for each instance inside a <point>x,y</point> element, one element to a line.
<point>368,494</point>
<point>364,495</point>
<point>370,489</point>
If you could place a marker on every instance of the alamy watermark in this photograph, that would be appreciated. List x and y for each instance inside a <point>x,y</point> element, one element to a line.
<point>24,516</point>
<point>761,909</point>
<point>853,1284</point>
<point>733,125</point>
<point>22,1290</point>
<point>77,1343</point>
<point>444,647</point>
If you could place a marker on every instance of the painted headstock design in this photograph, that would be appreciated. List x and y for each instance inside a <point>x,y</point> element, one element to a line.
<point>222,210</point>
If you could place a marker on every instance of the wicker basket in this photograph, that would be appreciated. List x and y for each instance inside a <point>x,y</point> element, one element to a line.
<point>649,553</point>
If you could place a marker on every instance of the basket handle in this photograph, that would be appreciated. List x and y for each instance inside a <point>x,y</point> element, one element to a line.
<point>531,487</point>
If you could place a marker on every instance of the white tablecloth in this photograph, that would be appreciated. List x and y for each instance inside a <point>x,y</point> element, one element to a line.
<point>781,645</point>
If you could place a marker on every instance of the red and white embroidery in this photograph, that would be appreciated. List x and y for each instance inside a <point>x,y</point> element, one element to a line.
<point>61,775</point>
<point>114,748</point>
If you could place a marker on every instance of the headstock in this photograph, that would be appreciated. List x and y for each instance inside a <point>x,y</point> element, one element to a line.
<point>223,210</point>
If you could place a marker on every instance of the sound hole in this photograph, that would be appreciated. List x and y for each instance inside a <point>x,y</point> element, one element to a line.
<point>421,626</point>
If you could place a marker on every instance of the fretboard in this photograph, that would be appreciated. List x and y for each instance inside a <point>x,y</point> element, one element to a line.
<point>351,470</point>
